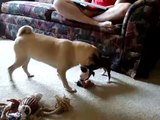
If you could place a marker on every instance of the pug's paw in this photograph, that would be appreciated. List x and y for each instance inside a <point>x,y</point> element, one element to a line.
<point>71,90</point>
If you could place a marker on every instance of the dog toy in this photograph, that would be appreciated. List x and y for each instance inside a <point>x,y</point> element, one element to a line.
<point>30,108</point>
<point>21,109</point>
<point>84,78</point>
<point>62,105</point>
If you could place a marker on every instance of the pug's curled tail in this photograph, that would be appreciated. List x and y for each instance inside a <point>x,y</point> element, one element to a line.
<point>25,30</point>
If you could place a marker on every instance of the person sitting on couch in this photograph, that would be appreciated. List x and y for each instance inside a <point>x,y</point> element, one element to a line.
<point>94,16</point>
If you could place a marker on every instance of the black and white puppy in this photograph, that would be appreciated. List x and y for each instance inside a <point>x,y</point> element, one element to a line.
<point>102,62</point>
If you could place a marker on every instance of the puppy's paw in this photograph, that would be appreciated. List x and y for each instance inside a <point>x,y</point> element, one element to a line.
<point>30,76</point>
<point>71,90</point>
<point>103,74</point>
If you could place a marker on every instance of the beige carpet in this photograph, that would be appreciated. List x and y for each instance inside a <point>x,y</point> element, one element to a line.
<point>124,99</point>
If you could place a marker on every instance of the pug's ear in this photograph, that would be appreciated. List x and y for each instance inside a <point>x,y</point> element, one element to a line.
<point>83,69</point>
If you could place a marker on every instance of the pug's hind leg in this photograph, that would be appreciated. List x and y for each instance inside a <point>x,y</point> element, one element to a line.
<point>25,68</point>
<point>62,75</point>
<point>18,62</point>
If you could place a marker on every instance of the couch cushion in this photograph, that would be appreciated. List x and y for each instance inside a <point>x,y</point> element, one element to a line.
<point>26,8</point>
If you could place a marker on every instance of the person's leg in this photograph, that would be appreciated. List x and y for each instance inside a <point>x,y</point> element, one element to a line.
<point>72,12</point>
<point>114,14</point>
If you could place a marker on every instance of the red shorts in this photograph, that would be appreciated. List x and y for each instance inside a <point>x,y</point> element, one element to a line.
<point>104,2</point>
<point>101,2</point>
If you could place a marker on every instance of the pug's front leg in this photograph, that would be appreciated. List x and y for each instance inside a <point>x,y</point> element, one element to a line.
<point>62,75</point>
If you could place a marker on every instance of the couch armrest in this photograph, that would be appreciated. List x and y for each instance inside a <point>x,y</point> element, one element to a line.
<point>1,1</point>
<point>139,3</point>
<point>138,33</point>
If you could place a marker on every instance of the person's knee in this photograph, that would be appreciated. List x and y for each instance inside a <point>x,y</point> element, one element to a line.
<point>57,4</point>
<point>125,8</point>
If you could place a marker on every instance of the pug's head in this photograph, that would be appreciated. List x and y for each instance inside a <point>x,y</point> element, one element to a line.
<point>99,62</point>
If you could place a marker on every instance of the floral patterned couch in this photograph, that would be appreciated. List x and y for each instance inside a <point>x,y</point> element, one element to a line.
<point>126,48</point>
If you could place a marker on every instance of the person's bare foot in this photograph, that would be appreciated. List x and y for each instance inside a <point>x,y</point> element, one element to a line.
<point>105,24</point>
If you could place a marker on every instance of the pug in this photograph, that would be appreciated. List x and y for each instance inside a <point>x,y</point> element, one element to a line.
<point>61,54</point>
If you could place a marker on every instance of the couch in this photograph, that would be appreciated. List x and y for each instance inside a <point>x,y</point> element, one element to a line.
<point>132,47</point>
